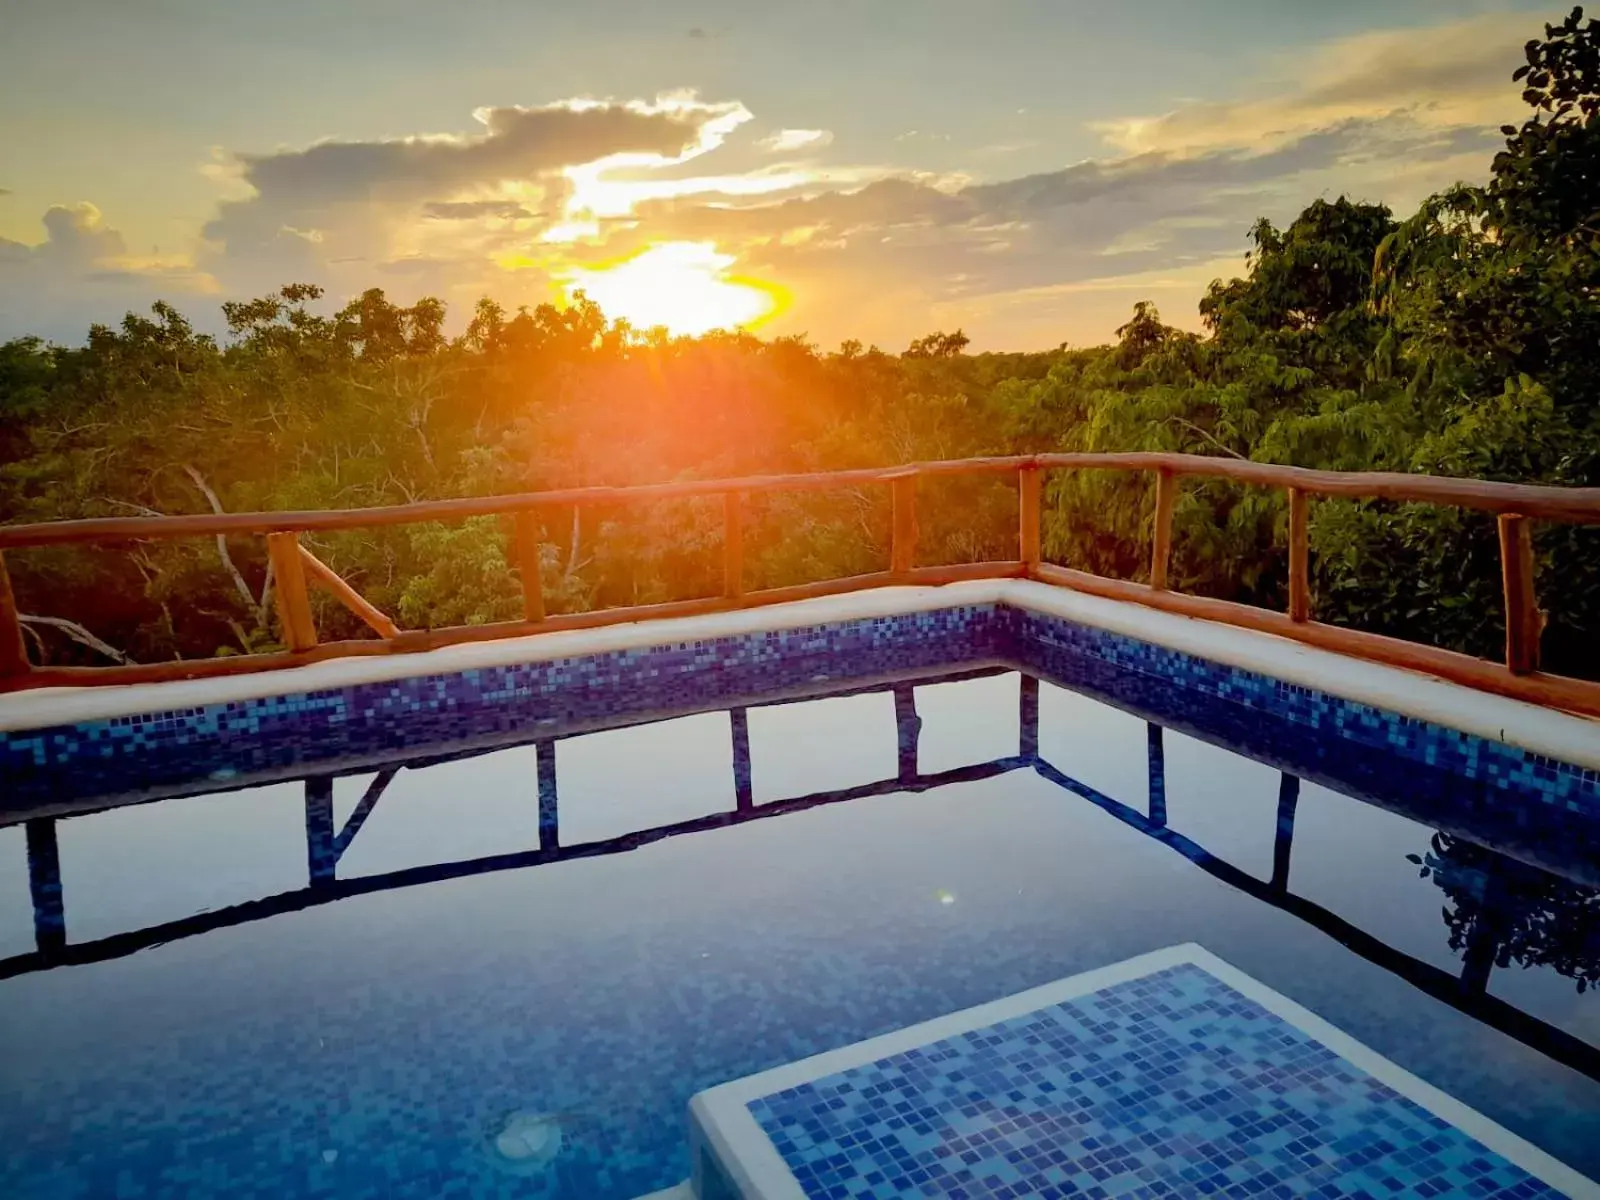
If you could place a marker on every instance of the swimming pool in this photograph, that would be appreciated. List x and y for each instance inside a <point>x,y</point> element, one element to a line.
<point>444,952</point>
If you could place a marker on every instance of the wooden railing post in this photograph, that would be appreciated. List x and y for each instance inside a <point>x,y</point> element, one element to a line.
<point>1161,536</point>
<point>903,550</point>
<point>13,649</point>
<point>294,601</point>
<point>1028,490</point>
<point>1524,622</point>
<point>528,564</point>
<point>1299,559</point>
<point>732,545</point>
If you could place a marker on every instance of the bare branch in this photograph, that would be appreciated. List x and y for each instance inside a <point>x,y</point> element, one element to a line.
<point>142,509</point>
<point>266,594</point>
<point>78,634</point>
<point>38,640</point>
<point>1192,427</point>
<point>239,633</point>
<point>239,584</point>
<point>572,545</point>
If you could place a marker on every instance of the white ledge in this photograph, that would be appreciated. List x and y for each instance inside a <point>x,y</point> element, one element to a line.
<point>1557,735</point>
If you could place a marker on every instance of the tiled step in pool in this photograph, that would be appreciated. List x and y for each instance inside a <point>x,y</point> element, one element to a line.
<point>1169,1074</point>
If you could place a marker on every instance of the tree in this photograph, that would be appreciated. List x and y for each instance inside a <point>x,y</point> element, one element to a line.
<point>1463,340</point>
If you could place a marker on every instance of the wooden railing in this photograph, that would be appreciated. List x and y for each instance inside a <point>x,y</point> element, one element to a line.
<point>296,569</point>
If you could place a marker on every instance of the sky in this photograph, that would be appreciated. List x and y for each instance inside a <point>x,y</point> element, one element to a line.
<point>1025,170</point>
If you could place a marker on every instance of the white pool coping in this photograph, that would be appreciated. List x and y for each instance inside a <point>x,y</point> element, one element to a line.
<point>1561,736</point>
<point>721,1115</point>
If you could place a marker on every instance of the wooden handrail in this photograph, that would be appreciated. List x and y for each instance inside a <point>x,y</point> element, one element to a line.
<point>1574,506</point>
<point>1516,506</point>
<point>329,579</point>
<point>114,529</point>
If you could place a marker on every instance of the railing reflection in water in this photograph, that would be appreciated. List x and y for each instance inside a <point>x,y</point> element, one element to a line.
<point>1502,909</point>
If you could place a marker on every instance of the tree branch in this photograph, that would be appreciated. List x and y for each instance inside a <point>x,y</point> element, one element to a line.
<point>38,640</point>
<point>572,545</point>
<point>78,634</point>
<point>143,510</point>
<point>239,584</point>
<point>266,594</point>
<point>1191,426</point>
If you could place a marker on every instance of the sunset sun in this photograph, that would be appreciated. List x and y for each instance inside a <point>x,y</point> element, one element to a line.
<point>684,286</point>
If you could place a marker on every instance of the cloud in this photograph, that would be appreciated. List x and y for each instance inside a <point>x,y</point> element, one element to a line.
<point>516,144</point>
<point>1446,77</point>
<point>76,239</point>
<point>367,200</point>
<point>475,210</point>
<point>5,191</point>
<point>82,272</point>
<point>77,235</point>
<point>787,141</point>
<point>901,249</point>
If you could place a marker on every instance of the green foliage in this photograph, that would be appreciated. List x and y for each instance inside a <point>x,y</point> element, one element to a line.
<point>1504,913</point>
<point>1463,339</point>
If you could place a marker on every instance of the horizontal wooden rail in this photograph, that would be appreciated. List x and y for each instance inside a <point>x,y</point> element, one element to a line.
<point>1515,505</point>
<point>1577,506</point>
<point>1574,506</point>
<point>121,529</point>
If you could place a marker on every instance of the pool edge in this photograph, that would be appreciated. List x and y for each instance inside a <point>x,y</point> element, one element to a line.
<point>1558,735</point>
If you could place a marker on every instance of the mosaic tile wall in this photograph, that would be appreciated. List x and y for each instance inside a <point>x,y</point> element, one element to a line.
<point>1172,1084</point>
<point>257,735</point>
<point>1179,688</point>
<point>1417,763</point>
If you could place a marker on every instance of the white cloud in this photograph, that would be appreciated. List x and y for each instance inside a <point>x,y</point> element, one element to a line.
<point>788,141</point>
<point>81,272</point>
<point>1448,77</point>
<point>436,196</point>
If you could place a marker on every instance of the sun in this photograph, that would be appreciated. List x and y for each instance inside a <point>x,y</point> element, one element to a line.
<point>684,286</point>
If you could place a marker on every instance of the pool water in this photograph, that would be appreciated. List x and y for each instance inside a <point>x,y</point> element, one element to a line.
<point>504,974</point>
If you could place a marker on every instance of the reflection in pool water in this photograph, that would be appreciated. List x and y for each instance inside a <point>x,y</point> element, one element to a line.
<point>504,973</point>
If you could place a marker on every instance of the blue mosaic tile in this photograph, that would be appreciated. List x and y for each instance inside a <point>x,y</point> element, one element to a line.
<point>1385,756</point>
<point>1153,677</point>
<point>1172,1084</point>
<point>530,699</point>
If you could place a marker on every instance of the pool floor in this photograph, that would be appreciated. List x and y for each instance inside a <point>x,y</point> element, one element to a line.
<point>353,986</point>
